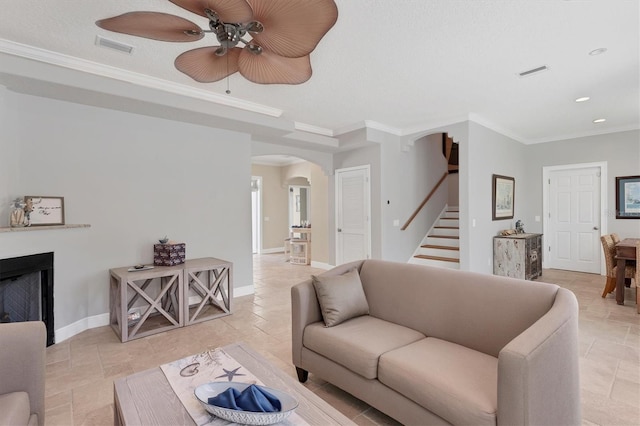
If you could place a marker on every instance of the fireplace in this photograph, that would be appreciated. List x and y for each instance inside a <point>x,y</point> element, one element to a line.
<point>26,290</point>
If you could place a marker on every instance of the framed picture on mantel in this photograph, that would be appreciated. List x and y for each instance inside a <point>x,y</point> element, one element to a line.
<point>45,210</point>
<point>628,197</point>
<point>502,196</point>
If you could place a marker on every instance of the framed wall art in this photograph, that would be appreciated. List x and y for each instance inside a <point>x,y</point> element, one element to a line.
<point>628,197</point>
<point>502,195</point>
<point>45,210</point>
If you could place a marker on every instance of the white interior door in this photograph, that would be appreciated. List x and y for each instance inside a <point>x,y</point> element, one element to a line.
<point>574,222</point>
<point>353,228</point>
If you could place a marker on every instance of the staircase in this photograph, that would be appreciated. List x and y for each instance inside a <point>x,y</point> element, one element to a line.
<point>441,246</point>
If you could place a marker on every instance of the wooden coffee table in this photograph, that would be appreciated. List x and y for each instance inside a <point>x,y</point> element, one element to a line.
<point>146,398</point>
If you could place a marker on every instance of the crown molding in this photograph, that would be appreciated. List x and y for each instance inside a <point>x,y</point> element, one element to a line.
<point>304,127</point>
<point>421,129</point>
<point>349,128</point>
<point>584,134</point>
<point>70,62</point>
<point>370,124</point>
<point>476,118</point>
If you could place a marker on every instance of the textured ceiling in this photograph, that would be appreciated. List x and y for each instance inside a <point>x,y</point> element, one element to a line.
<point>403,64</point>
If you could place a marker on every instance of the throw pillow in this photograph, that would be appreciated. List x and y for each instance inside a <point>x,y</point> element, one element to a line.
<point>341,297</point>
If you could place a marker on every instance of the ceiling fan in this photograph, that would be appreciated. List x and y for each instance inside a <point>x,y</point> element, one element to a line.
<point>282,34</point>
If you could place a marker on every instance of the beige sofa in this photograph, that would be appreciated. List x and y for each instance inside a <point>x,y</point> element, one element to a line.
<point>441,346</point>
<point>22,375</point>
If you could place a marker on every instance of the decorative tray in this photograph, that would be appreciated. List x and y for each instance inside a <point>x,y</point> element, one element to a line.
<point>208,390</point>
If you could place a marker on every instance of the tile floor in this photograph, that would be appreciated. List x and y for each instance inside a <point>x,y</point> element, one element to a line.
<point>80,371</point>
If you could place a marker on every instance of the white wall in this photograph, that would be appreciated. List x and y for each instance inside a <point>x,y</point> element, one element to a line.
<point>275,206</point>
<point>8,158</point>
<point>134,179</point>
<point>621,152</point>
<point>358,157</point>
<point>408,177</point>
<point>486,153</point>
<point>319,215</point>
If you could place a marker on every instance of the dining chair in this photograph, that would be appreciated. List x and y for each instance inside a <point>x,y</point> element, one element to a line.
<point>609,248</point>
<point>636,278</point>
<point>615,237</point>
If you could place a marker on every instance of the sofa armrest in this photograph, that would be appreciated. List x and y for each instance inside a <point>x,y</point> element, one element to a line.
<point>544,357</point>
<point>305,310</point>
<point>22,351</point>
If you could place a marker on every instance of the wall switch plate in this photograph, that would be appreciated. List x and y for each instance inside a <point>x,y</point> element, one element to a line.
<point>537,218</point>
<point>473,223</point>
<point>396,222</point>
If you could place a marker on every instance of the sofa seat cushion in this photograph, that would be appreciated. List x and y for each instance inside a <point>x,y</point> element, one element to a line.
<point>456,383</point>
<point>358,343</point>
<point>14,408</point>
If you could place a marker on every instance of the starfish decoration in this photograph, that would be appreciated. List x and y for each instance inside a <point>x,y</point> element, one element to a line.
<point>230,374</point>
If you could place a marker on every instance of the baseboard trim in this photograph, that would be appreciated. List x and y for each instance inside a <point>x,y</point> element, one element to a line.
<point>245,290</point>
<point>272,250</point>
<point>321,265</point>
<point>101,320</point>
<point>78,327</point>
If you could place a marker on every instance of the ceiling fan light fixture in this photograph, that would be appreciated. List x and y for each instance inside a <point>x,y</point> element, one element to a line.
<point>283,35</point>
<point>255,27</point>
<point>583,99</point>
<point>254,48</point>
<point>599,120</point>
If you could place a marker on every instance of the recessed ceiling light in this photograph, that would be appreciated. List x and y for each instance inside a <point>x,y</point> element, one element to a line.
<point>599,120</point>
<point>598,51</point>
<point>583,99</point>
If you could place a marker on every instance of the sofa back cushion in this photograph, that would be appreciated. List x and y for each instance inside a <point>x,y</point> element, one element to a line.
<point>481,312</point>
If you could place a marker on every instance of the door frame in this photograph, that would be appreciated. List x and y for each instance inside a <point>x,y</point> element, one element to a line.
<point>291,202</point>
<point>546,171</point>
<point>256,225</point>
<point>367,195</point>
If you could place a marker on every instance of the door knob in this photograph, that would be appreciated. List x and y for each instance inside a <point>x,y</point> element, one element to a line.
<point>339,229</point>
<point>595,228</point>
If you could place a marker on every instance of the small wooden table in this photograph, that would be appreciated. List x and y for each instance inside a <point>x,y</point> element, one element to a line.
<point>146,398</point>
<point>625,252</point>
<point>194,291</point>
<point>300,253</point>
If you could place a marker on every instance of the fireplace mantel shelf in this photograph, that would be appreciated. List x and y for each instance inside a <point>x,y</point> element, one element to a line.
<point>42,228</point>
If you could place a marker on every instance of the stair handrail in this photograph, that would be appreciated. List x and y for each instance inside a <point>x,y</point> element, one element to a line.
<point>424,202</point>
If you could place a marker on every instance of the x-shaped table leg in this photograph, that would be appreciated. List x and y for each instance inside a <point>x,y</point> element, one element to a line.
<point>209,292</point>
<point>153,304</point>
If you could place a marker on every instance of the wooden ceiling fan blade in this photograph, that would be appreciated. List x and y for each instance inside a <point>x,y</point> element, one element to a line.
<point>153,25</point>
<point>293,28</point>
<point>269,68</point>
<point>229,11</point>
<point>204,66</point>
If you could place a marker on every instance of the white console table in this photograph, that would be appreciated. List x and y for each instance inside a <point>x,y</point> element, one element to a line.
<point>300,253</point>
<point>154,300</point>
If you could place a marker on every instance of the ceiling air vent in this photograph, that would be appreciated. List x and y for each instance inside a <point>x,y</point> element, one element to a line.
<point>110,44</point>
<point>533,71</point>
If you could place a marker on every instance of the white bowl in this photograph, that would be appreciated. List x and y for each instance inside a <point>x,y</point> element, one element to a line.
<point>208,390</point>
